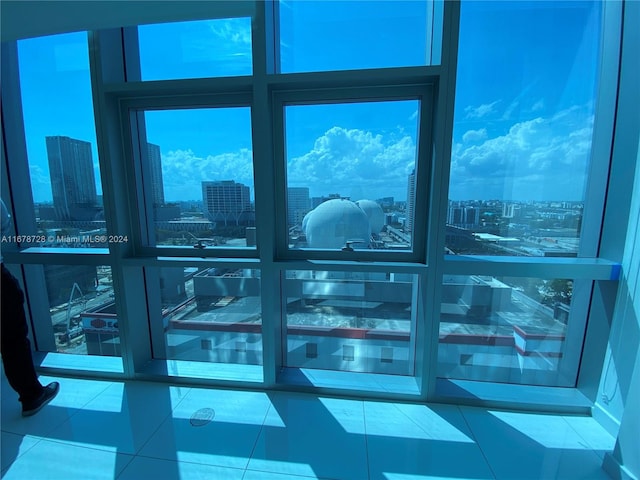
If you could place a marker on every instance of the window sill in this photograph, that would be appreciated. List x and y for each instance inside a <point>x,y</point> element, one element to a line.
<point>220,372</point>
<point>365,384</point>
<point>509,396</point>
<point>51,362</point>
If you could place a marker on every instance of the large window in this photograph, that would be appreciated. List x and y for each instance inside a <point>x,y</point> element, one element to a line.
<point>78,315</point>
<point>507,329</point>
<point>57,107</point>
<point>197,174</point>
<point>524,113</point>
<point>206,314</point>
<point>347,35</point>
<point>351,174</point>
<point>351,321</point>
<point>302,198</point>
<point>205,48</point>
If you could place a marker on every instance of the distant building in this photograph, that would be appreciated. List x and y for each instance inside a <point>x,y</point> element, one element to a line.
<point>511,210</point>
<point>298,204</point>
<point>411,201</point>
<point>226,201</point>
<point>155,169</point>
<point>463,216</point>
<point>385,202</point>
<point>508,210</point>
<point>471,216</point>
<point>73,181</point>
<point>455,215</point>
<point>315,201</point>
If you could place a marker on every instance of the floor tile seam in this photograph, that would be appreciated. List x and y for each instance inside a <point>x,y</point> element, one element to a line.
<point>262,427</point>
<point>191,462</point>
<point>81,407</point>
<point>562,452</point>
<point>75,410</point>
<point>53,428</point>
<point>430,437</point>
<point>291,475</point>
<point>31,435</point>
<point>366,441</point>
<point>477,442</point>
<point>72,443</point>
<point>126,466</point>
<point>22,434</point>
<point>162,422</point>
<point>584,439</point>
<point>173,409</point>
<point>593,452</point>
<point>38,440</point>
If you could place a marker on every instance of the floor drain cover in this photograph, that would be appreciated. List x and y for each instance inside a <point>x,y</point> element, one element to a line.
<point>202,417</point>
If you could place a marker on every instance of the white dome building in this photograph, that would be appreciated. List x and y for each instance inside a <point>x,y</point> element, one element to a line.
<point>334,223</point>
<point>375,214</point>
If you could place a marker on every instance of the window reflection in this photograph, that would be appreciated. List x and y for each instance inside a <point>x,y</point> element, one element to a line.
<point>350,321</point>
<point>511,329</point>
<point>61,141</point>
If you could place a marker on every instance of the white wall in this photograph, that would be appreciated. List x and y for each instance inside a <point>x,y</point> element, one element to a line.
<point>619,396</point>
<point>618,403</point>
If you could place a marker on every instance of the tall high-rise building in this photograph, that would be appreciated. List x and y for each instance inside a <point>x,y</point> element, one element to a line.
<point>455,214</point>
<point>298,204</point>
<point>73,182</point>
<point>471,216</point>
<point>225,200</point>
<point>508,210</point>
<point>411,200</point>
<point>155,168</point>
<point>463,216</point>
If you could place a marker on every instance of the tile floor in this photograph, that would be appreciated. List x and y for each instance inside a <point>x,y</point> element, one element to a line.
<point>135,430</point>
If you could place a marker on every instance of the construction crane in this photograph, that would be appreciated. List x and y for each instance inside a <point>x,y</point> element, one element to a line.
<point>76,331</point>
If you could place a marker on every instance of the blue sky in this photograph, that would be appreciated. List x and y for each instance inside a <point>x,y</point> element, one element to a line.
<point>523,113</point>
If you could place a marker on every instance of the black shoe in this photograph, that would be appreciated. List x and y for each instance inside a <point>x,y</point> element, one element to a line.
<point>48,393</point>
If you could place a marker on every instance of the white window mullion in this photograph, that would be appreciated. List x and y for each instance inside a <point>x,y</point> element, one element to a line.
<point>431,284</point>
<point>263,38</point>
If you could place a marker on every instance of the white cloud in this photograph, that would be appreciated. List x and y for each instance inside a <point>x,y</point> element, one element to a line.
<point>481,110</point>
<point>510,109</point>
<point>218,41</point>
<point>40,184</point>
<point>474,135</point>
<point>183,172</point>
<point>232,30</point>
<point>356,163</point>
<point>539,105</point>
<point>538,158</point>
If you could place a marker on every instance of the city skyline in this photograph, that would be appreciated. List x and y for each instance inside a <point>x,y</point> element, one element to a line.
<point>521,135</point>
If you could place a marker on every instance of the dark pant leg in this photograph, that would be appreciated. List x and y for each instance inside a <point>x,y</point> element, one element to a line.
<point>15,345</point>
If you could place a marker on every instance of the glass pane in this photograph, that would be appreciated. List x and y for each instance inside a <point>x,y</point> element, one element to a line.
<point>205,48</point>
<point>209,315</point>
<point>510,330</point>
<point>81,307</point>
<point>346,35</point>
<point>350,174</point>
<point>525,97</point>
<point>197,169</point>
<point>351,321</point>
<point>61,141</point>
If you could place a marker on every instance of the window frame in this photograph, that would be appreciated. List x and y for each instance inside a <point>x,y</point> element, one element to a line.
<point>133,133</point>
<point>112,84</point>
<point>425,94</point>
